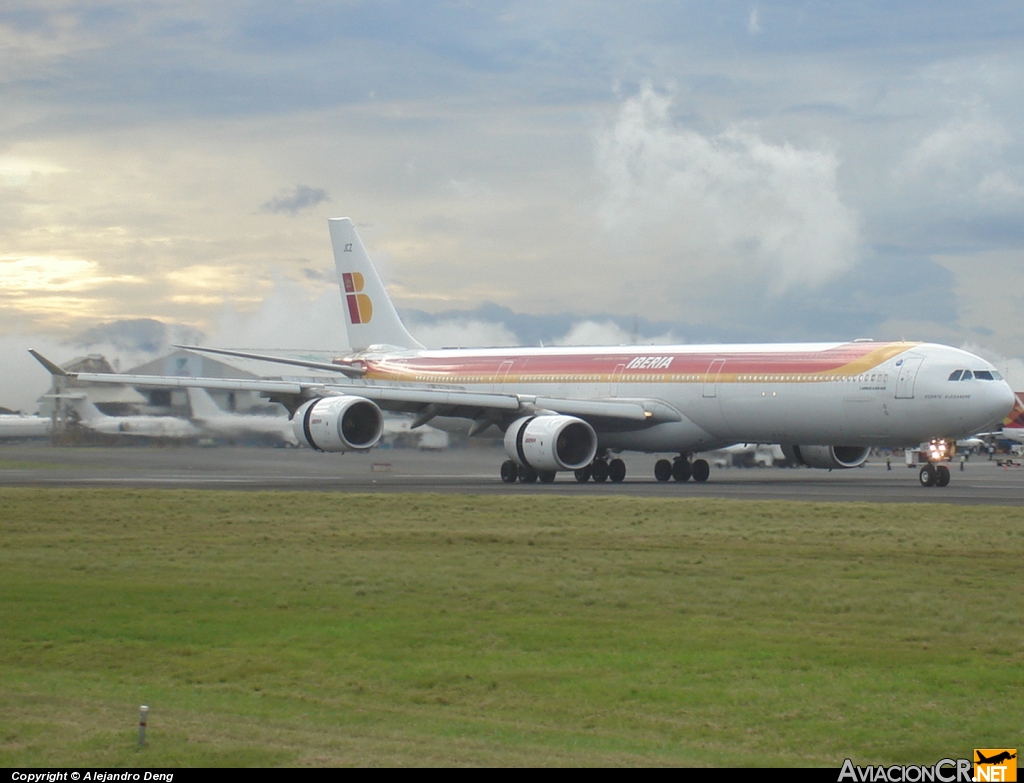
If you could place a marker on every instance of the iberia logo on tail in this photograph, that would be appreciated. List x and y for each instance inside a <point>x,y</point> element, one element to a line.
<point>360,308</point>
<point>1016,417</point>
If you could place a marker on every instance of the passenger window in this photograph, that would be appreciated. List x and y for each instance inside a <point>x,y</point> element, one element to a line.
<point>955,375</point>
<point>967,376</point>
<point>983,375</point>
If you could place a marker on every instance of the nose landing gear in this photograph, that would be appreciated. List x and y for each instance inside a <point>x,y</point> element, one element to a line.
<point>934,473</point>
<point>934,476</point>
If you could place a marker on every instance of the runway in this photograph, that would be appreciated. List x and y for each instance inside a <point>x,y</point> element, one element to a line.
<point>473,471</point>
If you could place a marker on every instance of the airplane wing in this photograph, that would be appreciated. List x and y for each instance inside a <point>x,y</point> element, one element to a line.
<point>424,401</point>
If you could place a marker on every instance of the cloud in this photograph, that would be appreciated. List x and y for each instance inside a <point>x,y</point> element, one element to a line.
<point>139,138</point>
<point>953,175</point>
<point>722,209</point>
<point>754,21</point>
<point>1011,368</point>
<point>302,197</point>
<point>963,162</point>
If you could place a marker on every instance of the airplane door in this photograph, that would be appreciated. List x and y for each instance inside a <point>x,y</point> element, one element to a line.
<point>502,375</point>
<point>906,377</point>
<point>711,379</point>
<point>613,390</point>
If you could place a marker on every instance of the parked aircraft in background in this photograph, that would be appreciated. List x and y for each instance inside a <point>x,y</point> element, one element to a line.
<point>761,455</point>
<point>92,418</point>
<point>1013,426</point>
<point>15,425</point>
<point>970,444</point>
<point>572,408</point>
<point>218,423</point>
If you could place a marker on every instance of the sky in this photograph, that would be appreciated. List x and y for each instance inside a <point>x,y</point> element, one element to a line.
<point>521,172</point>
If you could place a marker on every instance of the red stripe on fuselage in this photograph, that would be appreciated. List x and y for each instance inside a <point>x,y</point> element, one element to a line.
<point>604,364</point>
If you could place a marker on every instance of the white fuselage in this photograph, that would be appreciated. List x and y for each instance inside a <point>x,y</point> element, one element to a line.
<point>90,417</point>
<point>862,393</point>
<point>17,426</point>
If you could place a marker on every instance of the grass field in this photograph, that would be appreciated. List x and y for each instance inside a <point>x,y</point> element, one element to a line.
<point>301,628</point>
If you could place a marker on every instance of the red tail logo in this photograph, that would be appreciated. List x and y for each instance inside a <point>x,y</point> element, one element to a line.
<point>1016,417</point>
<point>360,308</point>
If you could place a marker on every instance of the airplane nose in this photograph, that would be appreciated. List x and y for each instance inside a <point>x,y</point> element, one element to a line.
<point>1000,401</point>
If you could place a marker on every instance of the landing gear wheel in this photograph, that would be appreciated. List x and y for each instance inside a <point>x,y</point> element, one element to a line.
<point>701,471</point>
<point>582,474</point>
<point>599,471</point>
<point>927,476</point>
<point>527,475</point>
<point>663,470</point>
<point>617,470</point>
<point>681,470</point>
<point>509,471</point>
<point>941,476</point>
<point>546,476</point>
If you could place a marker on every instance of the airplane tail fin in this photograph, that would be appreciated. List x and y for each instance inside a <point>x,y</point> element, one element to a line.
<point>84,408</point>
<point>370,316</point>
<point>202,404</point>
<point>1015,419</point>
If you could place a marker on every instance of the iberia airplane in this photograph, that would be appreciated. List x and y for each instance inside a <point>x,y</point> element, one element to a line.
<point>570,408</point>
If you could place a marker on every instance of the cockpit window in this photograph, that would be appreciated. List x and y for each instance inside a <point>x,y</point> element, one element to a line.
<point>980,375</point>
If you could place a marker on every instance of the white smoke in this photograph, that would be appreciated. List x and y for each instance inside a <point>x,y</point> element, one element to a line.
<point>463,333</point>
<point>24,380</point>
<point>610,333</point>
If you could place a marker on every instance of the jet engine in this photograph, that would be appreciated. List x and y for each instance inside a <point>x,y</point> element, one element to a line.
<point>551,442</point>
<point>827,456</point>
<point>342,423</point>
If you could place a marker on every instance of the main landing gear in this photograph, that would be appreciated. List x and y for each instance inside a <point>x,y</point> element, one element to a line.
<point>602,470</point>
<point>511,473</point>
<point>681,469</point>
<point>934,476</point>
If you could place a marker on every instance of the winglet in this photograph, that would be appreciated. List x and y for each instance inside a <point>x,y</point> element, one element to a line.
<point>54,369</point>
